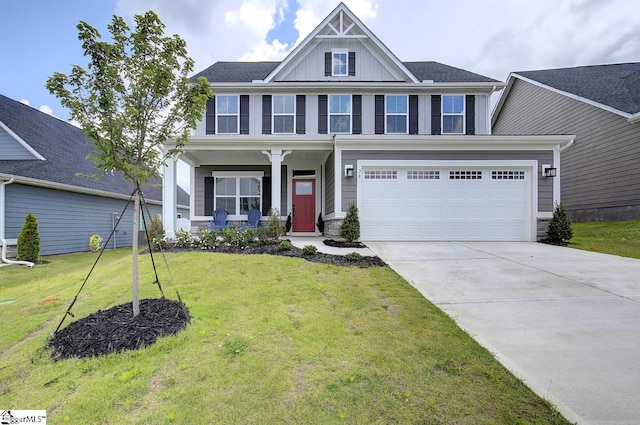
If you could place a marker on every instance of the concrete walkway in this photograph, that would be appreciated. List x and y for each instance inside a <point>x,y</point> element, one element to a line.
<point>565,321</point>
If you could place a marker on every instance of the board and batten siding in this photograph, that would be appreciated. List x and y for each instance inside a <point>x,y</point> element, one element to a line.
<point>545,186</point>
<point>600,171</point>
<point>66,220</point>
<point>10,149</point>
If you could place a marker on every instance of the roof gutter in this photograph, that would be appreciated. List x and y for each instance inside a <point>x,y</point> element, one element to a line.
<point>568,144</point>
<point>5,261</point>
<point>634,118</point>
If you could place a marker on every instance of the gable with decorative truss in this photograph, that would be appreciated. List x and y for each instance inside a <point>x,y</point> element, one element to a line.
<point>341,48</point>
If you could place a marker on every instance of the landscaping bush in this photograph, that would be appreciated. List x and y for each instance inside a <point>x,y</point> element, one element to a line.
<point>560,230</point>
<point>208,239</point>
<point>285,246</point>
<point>353,256</point>
<point>184,239</point>
<point>155,233</point>
<point>29,240</point>
<point>309,250</point>
<point>95,243</point>
<point>350,227</point>
<point>320,224</point>
<point>275,228</point>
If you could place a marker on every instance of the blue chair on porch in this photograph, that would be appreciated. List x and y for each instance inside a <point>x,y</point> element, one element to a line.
<point>252,219</point>
<point>219,219</point>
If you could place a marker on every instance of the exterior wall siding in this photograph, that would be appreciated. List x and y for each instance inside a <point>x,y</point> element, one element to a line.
<point>311,67</point>
<point>10,149</point>
<point>66,220</point>
<point>330,184</point>
<point>600,171</point>
<point>545,186</point>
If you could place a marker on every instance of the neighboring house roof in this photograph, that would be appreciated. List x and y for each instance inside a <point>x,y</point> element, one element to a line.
<point>246,72</point>
<point>614,87</point>
<point>64,149</point>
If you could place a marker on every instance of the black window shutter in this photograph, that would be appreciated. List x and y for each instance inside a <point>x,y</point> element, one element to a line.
<point>327,64</point>
<point>356,124</point>
<point>322,114</point>
<point>379,112</point>
<point>266,194</point>
<point>470,112</point>
<point>266,114</point>
<point>352,64</point>
<point>244,114</point>
<point>413,114</point>
<point>208,195</point>
<point>300,113</point>
<point>210,116</point>
<point>436,108</point>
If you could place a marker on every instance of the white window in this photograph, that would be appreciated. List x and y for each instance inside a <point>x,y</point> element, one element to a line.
<point>237,194</point>
<point>339,63</point>
<point>227,114</point>
<point>453,114</point>
<point>340,113</point>
<point>396,110</point>
<point>284,114</point>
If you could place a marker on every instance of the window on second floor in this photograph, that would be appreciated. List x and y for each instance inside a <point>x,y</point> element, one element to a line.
<point>396,112</point>
<point>340,113</point>
<point>452,114</point>
<point>339,63</point>
<point>227,114</point>
<point>284,114</point>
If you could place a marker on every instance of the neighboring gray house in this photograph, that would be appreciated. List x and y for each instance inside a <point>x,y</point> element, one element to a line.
<point>40,158</point>
<point>342,120</point>
<point>600,104</point>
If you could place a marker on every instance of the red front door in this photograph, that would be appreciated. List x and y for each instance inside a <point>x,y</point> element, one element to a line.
<point>304,205</point>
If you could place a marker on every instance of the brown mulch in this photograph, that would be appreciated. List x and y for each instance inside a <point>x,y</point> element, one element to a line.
<point>115,330</point>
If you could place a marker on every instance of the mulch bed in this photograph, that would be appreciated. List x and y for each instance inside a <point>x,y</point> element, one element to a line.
<point>273,249</point>
<point>115,330</point>
<point>343,244</point>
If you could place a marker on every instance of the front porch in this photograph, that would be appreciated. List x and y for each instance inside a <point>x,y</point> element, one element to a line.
<point>296,176</point>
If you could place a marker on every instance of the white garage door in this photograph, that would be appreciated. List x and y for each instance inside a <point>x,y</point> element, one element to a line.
<point>445,203</point>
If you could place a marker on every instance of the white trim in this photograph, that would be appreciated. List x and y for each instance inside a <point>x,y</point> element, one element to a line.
<point>530,167</point>
<point>340,114</point>
<point>218,114</point>
<point>24,144</point>
<point>344,52</point>
<point>237,174</point>
<point>634,118</point>
<point>359,86</point>
<point>337,183</point>
<point>274,114</point>
<point>386,114</point>
<point>463,113</point>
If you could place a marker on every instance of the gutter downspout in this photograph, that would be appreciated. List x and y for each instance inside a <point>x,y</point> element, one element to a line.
<point>5,261</point>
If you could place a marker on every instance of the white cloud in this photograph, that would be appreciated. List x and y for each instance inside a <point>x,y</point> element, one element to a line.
<point>46,109</point>
<point>25,102</point>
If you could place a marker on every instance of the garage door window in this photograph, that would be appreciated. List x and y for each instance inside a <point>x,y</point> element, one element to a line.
<point>381,175</point>
<point>507,175</point>
<point>465,175</point>
<point>423,175</point>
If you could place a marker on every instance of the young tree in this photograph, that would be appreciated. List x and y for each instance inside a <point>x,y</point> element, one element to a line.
<point>134,95</point>
<point>350,227</point>
<point>560,226</point>
<point>29,240</point>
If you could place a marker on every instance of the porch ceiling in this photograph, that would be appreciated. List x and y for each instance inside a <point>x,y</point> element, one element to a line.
<point>229,157</point>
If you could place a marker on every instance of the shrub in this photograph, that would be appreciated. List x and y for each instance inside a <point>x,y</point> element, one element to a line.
<point>350,227</point>
<point>287,225</point>
<point>208,239</point>
<point>353,256</point>
<point>29,240</point>
<point>95,243</point>
<point>309,250</point>
<point>275,229</point>
<point>560,226</point>
<point>184,239</point>
<point>320,224</point>
<point>155,233</point>
<point>285,246</point>
<point>239,238</point>
<point>263,236</point>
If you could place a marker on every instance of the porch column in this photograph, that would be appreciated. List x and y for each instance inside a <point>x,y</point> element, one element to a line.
<point>276,156</point>
<point>169,198</point>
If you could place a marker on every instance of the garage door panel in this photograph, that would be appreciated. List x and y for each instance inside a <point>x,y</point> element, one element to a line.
<point>438,203</point>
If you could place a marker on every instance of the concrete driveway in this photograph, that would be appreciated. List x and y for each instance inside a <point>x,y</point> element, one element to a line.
<point>565,321</point>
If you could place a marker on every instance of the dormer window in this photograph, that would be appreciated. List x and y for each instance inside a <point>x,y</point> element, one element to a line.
<point>339,63</point>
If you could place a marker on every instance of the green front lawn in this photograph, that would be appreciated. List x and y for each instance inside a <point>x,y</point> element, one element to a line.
<point>274,340</point>
<point>610,237</point>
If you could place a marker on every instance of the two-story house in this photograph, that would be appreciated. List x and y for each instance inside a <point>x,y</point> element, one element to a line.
<point>342,120</point>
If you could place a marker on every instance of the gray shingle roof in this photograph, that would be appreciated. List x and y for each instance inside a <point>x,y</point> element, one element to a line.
<point>65,149</point>
<point>614,85</point>
<point>245,72</point>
